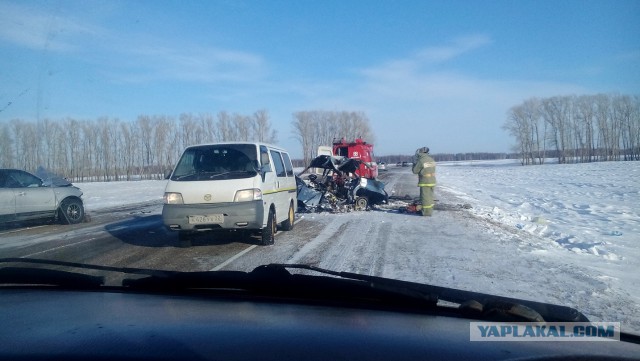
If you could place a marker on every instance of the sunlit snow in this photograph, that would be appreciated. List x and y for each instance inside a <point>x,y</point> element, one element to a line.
<point>567,234</point>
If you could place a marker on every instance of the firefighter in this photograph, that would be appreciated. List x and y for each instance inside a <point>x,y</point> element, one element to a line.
<point>425,167</point>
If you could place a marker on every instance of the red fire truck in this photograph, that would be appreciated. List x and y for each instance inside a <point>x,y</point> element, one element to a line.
<point>361,150</point>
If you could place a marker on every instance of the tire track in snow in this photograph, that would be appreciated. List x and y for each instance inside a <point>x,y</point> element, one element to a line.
<point>307,252</point>
<point>350,243</point>
<point>343,255</point>
<point>369,248</point>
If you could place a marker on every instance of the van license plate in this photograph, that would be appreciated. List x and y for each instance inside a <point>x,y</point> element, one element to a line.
<point>206,219</point>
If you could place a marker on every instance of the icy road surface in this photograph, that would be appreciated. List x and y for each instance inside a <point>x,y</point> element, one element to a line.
<point>564,234</point>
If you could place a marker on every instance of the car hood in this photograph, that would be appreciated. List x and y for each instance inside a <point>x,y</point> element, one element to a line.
<point>51,179</point>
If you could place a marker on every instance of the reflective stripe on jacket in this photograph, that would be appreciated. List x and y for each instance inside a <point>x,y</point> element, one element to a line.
<point>425,167</point>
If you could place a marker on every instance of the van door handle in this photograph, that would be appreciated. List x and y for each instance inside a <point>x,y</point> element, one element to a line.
<point>22,193</point>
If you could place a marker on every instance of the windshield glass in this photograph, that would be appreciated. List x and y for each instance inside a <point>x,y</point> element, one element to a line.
<point>217,161</point>
<point>483,146</point>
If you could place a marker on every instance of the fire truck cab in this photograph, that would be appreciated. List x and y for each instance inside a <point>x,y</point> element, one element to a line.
<point>361,150</point>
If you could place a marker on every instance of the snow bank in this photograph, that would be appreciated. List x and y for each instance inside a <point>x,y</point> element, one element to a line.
<point>591,209</point>
<point>585,219</point>
<point>102,195</point>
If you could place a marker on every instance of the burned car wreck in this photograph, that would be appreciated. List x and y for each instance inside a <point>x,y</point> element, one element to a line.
<point>336,187</point>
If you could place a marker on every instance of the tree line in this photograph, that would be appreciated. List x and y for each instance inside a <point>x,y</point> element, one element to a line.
<point>572,128</point>
<point>108,149</point>
<point>448,157</point>
<point>587,128</point>
<point>315,128</point>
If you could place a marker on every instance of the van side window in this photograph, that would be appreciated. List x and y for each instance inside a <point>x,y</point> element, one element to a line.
<point>264,154</point>
<point>287,164</point>
<point>277,162</point>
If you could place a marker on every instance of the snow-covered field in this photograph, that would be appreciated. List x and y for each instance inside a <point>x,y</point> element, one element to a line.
<point>580,220</point>
<point>589,209</point>
<point>584,216</point>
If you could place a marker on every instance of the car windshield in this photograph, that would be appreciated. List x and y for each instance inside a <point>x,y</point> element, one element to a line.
<point>491,146</point>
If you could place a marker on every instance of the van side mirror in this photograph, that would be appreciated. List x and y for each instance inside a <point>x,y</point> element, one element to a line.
<point>167,174</point>
<point>256,166</point>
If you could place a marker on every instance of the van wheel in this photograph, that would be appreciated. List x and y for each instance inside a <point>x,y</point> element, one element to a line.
<point>291,217</point>
<point>269,232</point>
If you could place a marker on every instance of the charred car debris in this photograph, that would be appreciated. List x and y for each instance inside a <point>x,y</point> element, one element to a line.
<point>336,187</point>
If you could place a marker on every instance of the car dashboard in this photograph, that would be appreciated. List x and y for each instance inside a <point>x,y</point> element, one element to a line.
<point>48,323</point>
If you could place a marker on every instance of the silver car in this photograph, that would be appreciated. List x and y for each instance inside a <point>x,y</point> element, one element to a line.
<point>23,196</point>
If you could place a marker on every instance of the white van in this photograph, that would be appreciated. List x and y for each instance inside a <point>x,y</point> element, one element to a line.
<point>231,186</point>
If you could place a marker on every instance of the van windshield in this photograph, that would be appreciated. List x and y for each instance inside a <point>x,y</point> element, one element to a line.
<point>222,161</point>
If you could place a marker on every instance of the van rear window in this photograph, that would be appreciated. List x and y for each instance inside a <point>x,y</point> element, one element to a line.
<point>287,164</point>
<point>277,162</point>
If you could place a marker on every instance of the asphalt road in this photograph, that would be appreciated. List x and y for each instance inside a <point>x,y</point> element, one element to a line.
<point>134,236</point>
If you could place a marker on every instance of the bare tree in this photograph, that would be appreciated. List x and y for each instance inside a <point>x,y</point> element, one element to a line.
<point>145,128</point>
<point>6,145</point>
<point>634,128</point>
<point>226,127</point>
<point>584,128</point>
<point>208,127</point>
<point>519,128</point>
<point>623,114</point>
<point>602,116</point>
<point>263,131</point>
<point>316,128</point>
<point>72,136</point>
<point>556,111</point>
<point>355,125</point>
<point>128,147</point>
<point>303,131</point>
<point>17,127</point>
<point>163,127</point>
<point>188,129</point>
<point>585,115</point>
<point>55,153</point>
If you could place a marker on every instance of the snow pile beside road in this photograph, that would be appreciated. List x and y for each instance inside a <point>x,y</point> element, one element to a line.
<point>102,195</point>
<point>583,222</point>
<point>589,208</point>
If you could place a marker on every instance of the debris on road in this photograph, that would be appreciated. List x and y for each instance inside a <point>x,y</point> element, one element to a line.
<point>338,188</point>
<point>411,205</point>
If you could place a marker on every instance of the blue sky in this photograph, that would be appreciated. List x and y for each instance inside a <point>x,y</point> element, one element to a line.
<point>436,73</point>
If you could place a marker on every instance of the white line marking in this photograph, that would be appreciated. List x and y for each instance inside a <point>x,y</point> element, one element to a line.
<point>59,247</point>
<point>223,264</point>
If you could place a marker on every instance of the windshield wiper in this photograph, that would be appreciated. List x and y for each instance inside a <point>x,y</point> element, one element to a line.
<point>216,175</point>
<point>473,303</point>
<point>211,175</point>
<point>182,176</point>
<point>275,280</point>
<point>48,277</point>
<point>45,276</point>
